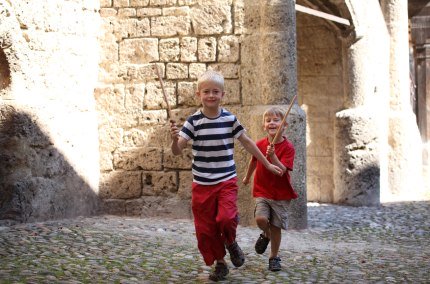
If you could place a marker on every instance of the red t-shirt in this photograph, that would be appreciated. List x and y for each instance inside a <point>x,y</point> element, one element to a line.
<point>271,186</point>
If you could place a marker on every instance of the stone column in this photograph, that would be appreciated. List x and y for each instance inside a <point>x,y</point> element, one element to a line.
<point>360,129</point>
<point>405,161</point>
<point>269,77</point>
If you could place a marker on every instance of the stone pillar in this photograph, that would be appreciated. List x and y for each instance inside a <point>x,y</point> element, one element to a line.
<point>269,77</point>
<point>405,149</point>
<point>360,129</point>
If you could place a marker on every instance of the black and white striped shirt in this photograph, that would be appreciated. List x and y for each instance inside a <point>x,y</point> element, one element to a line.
<point>213,146</point>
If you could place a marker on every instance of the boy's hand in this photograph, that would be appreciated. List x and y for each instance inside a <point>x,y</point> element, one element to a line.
<point>245,180</point>
<point>270,150</point>
<point>174,131</point>
<point>275,170</point>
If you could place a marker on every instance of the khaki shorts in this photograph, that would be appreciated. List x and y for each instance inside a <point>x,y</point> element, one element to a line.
<point>276,211</point>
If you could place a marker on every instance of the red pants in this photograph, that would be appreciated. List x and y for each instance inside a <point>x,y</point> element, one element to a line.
<point>215,217</point>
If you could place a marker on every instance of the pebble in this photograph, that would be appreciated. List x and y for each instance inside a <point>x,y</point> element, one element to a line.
<point>385,244</point>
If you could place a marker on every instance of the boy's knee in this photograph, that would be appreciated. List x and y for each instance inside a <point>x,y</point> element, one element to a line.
<point>261,221</point>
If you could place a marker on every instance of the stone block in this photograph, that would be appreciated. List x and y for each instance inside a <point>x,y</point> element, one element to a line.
<point>207,49</point>
<point>121,185</point>
<point>239,17</point>
<point>139,158</point>
<point>149,12</point>
<point>187,94</point>
<point>232,89</point>
<point>177,11</point>
<point>126,12</point>
<point>139,3</point>
<point>121,3</point>
<point>105,3</point>
<point>228,70</point>
<point>134,98</point>
<point>185,182</point>
<point>108,12</point>
<point>110,138</point>
<point>148,136</point>
<point>177,71</point>
<point>159,183</point>
<point>228,49</point>
<point>164,26</point>
<point>106,161</point>
<point>154,98</point>
<point>188,49</point>
<point>162,2</point>
<point>178,162</point>
<point>110,99</point>
<point>212,18</point>
<point>169,49</point>
<point>138,51</point>
<point>196,69</point>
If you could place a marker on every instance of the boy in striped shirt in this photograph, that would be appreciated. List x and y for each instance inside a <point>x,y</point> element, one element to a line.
<point>212,130</point>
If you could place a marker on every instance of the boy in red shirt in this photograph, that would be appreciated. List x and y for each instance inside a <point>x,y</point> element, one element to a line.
<point>272,193</point>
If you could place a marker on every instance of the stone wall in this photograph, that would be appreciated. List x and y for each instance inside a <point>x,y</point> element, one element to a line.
<point>49,165</point>
<point>140,176</point>
<point>182,38</point>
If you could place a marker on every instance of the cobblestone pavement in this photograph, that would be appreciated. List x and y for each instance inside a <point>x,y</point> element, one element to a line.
<point>389,244</point>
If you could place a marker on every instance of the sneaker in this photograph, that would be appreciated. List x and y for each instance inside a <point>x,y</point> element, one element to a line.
<point>236,254</point>
<point>220,272</point>
<point>261,244</point>
<point>275,264</point>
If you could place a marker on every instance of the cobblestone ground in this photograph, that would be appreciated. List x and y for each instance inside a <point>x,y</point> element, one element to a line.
<point>389,244</point>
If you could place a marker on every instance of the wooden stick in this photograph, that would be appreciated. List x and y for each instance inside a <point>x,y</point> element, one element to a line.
<point>278,132</point>
<point>169,113</point>
<point>323,15</point>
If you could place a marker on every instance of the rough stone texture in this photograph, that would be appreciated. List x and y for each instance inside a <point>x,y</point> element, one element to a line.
<point>49,149</point>
<point>358,170</point>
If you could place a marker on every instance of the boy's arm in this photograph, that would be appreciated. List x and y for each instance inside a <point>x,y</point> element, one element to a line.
<point>251,168</point>
<point>250,146</point>
<point>178,142</point>
<point>274,159</point>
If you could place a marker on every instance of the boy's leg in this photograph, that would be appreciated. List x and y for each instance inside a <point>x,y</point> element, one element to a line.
<point>227,220</point>
<point>204,206</point>
<point>275,240</point>
<point>262,217</point>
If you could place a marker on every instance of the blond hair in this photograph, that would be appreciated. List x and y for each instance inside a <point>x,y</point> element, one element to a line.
<point>211,76</point>
<point>274,111</point>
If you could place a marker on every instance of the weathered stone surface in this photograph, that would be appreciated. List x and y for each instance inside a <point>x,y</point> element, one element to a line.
<point>212,17</point>
<point>228,49</point>
<point>189,49</point>
<point>177,71</point>
<point>185,181</point>
<point>159,183</point>
<point>138,50</point>
<point>182,162</point>
<point>169,49</point>
<point>154,98</point>
<point>207,49</point>
<point>170,26</point>
<point>187,94</point>
<point>121,185</point>
<point>357,168</point>
<point>140,158</point>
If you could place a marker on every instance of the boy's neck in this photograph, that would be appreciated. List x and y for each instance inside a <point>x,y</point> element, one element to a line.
<point>211,112</point>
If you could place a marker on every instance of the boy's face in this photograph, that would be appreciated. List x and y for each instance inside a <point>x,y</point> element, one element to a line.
<point>210,94</point>
<point>271,124</point>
